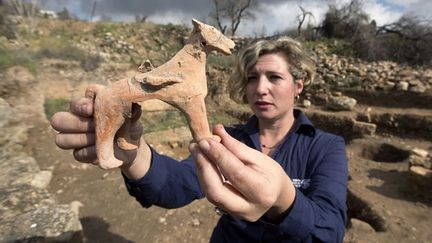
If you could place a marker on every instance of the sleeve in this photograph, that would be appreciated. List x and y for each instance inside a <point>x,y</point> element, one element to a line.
<point>319,212</point>
<point>168,183</point>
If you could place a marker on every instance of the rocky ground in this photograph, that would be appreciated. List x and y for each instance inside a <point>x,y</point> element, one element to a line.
<point>384,115</point>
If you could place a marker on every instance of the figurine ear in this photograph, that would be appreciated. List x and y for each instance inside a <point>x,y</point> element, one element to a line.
<point>196,24</point>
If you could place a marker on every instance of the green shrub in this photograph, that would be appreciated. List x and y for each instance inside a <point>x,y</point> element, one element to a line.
<point>53,105</point>
<point>9,58</point>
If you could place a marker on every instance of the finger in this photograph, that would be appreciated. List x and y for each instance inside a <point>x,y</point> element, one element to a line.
<point>67,122</point>
<point>82,106</point>
<point>240,150</point>
<point>86,155</point>
<point>74,140</point>
<point>244,178</point>
<point>221,194</point>
<point>221,157</point>
<point>208,172</point>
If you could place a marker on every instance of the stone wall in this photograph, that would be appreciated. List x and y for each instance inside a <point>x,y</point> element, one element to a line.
<point>28,212</point>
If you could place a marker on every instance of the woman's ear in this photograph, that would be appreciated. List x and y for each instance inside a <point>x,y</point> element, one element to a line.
<point>299,85</point>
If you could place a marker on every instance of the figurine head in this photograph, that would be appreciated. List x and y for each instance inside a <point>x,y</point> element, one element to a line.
<point>212,39</point>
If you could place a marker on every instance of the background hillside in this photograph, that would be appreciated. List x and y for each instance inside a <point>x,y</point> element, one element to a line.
<point>380,104</point>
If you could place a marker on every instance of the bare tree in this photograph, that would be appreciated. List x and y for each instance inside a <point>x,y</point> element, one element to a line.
<point>140,18</point>
<point>93,11</point>
<point>21,8</point>
<point>215,15</point>
<point>233,12</point>
<point>302,18</point>
<point>344,21</point>
<point>408,27</point>
<point>408,40</point>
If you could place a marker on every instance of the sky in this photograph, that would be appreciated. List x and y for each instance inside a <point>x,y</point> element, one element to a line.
<point>273,15</point>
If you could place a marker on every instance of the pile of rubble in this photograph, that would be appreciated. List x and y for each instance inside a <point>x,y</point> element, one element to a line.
<point>350,72</point>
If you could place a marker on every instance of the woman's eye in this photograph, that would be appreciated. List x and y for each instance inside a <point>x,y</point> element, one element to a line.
<point>251,78</point>
<point>274,77</point>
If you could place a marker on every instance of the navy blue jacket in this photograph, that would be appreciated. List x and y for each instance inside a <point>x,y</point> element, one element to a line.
<point>314,160</point>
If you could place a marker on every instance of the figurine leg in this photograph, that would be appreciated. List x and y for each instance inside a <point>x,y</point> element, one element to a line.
<point>196,115</point>
<point>109,118</point>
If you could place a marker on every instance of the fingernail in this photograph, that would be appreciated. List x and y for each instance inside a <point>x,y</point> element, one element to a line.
<point>204,145</point>
<point>192,148</point>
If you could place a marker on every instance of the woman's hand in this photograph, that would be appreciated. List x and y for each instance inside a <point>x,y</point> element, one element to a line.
<point>77,132</point>
<point>254,183</point>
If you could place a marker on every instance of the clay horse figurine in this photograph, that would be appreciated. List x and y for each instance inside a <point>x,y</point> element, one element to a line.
<point>180,82</point>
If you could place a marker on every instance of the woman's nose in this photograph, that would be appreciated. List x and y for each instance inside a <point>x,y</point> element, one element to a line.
<point>262,85</point>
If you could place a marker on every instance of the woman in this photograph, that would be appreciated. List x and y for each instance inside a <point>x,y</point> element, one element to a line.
<point>276,178</point>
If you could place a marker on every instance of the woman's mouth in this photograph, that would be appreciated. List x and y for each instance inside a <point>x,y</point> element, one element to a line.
<point>263,105</point>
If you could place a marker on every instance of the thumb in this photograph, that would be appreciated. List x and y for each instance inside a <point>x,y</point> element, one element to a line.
<point>239,149</point>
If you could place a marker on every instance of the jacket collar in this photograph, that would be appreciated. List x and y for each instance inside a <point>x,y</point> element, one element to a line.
<point>301,124</point>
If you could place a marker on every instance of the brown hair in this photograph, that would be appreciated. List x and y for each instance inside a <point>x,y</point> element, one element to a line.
<point>301,65</point>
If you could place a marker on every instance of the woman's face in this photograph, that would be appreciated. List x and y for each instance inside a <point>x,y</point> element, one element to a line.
<point>271,90</point>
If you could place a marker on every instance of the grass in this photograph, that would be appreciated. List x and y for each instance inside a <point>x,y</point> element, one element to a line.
<point>61,49</point>
<point>221,118</point>
<point>28,59</point>
<point>53,105</point>
<point>162,120</point>
<point>9,58</point>
<point>101,28</point>
<point>334,46</point>
<point>221,61</point>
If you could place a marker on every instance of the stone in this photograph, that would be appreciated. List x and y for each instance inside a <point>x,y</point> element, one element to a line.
<point>50,223</point>
<point>417,89</point>
<point>364,128</point>
<point>361,226</point>
<point>337,94</point>
<point>162,220</point>
<point>181,82</point>
<point>420,152</point>
<point>42,179</point>
<point>415,160</point>
<point>364,117</point>
<point>307,103</point>
<point>5,112</point>
<point>402,86</point>
<point>406,73</point>
<point>420,176</point>
<point>195,222</point>
<point>20,170</point>
<point>389,85</point>
<point>75,206</point>
<point>341,103</point>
